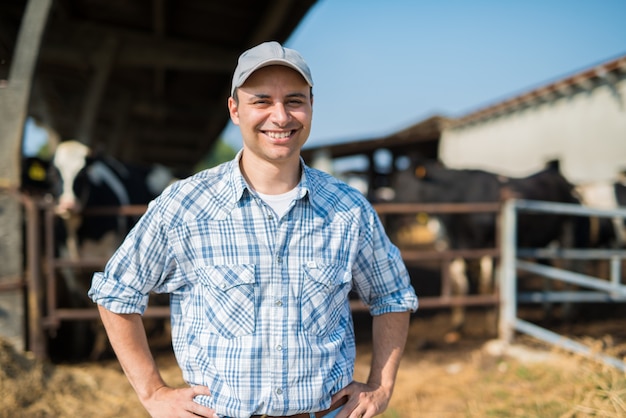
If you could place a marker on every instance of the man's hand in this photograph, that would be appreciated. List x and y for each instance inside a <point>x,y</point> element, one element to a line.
<point>364,401</point>
<point>167,402</point>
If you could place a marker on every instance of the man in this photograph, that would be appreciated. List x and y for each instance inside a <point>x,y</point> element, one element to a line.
<point>259,255</point>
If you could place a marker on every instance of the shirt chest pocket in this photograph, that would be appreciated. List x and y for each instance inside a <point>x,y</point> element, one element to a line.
<point>324,297</point>
<point>225,299</point>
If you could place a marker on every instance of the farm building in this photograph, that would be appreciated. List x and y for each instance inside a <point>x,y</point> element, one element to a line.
<point>579,120</point>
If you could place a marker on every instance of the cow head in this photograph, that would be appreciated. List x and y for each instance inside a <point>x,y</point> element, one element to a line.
<point>70,160</point>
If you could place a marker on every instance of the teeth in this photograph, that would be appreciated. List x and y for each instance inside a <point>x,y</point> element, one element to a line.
<point>278,135</point>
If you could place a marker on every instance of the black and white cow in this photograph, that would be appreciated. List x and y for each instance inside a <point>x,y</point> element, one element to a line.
<point>83,181</point>
<point>431,182</point>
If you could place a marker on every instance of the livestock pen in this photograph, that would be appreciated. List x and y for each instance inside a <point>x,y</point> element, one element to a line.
<point>603,291</point>
<point>45,315</point>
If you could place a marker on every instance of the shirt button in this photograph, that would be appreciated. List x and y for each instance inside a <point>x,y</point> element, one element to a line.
<point>270,217</point>
<point>279,259</point>
<point>278,303</point>
<point>279,391</point>
<point>279,347</point>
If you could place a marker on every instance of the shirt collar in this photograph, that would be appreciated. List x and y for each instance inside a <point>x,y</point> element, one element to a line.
<point>237,181</point>
<point>239,185</point>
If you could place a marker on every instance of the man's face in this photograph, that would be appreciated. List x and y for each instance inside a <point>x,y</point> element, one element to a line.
<point>274,113</point>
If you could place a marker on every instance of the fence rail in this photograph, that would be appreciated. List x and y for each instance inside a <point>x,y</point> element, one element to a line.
<point>610,291</point>
<point>41,283</point>
<point>41,279</point>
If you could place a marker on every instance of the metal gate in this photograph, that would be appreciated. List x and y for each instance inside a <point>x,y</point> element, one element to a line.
<point>605,291</point>
<point>43,266</point>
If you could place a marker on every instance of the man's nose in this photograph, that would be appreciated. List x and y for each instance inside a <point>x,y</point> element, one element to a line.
<point>280,115</point>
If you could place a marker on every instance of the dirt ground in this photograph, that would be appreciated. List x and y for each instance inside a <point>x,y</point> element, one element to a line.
<point>441,376</point>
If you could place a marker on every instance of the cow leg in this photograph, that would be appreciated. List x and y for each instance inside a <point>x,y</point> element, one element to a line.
<point>74,338</point>
<point>485,286</point>
<point>78,293</point>
<point>71,225</point>
<point>100,249</point>
<point>620,232</point>
<point>460,287</point>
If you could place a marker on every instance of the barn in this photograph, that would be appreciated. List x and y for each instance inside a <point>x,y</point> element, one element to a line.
<point>577,124</point>
<point>143,81</point>
<point>579,120</point>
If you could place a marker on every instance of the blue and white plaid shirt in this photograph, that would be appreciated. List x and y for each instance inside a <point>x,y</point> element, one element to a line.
<point>260,310</point>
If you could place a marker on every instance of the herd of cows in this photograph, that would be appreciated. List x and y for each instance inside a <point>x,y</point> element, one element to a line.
<point>430,182</point>
<point>80,180</point>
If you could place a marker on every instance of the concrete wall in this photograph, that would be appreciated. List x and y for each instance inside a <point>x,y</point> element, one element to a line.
<point>585,129</point>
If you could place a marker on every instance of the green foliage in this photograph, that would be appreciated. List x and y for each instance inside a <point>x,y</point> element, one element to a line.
<point>220,153</point>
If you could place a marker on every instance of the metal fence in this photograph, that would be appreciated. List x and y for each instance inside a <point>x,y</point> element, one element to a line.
<point>43,267</point>
<point>602,290</point>
<point>46,315</point>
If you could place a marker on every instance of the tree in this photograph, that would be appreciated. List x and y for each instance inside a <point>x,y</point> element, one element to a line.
<point>220,153</point>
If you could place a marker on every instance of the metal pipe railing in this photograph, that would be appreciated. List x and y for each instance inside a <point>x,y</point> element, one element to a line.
<point>610,291</point>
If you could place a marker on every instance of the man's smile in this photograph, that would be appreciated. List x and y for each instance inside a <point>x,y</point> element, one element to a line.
<point>279,135</point>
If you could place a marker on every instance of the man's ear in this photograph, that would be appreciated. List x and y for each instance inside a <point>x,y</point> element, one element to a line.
<point>233,110</point>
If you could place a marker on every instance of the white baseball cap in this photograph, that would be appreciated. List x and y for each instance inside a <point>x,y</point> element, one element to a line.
<point>268,53</point>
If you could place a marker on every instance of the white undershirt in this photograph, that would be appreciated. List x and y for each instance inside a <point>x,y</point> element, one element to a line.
<point>279,202</point>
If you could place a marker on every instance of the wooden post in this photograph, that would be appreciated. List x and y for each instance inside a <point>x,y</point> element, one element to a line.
<point>103,63</point>
<point>14,96</point>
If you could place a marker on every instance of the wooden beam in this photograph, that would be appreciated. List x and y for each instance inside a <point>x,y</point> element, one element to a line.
<point>120,123</point>
<point>158,18</point>
<point>272,20</point>
<point>66,46</point>
<point>104,64</point>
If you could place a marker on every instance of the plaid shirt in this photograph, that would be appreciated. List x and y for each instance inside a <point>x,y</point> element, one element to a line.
<point>260,310</point>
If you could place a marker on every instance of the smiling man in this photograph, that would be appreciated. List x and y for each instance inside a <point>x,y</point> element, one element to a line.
<point>259,255</point>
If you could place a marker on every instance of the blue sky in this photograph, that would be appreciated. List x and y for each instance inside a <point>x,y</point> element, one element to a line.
<point>380,66</point>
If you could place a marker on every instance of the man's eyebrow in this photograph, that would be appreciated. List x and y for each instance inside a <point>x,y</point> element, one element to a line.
<point>290,95</point>
<point>297,94</point>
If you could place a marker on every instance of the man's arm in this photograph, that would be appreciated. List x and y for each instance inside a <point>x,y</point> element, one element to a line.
<point>127,335</point>
<point>389,334</point>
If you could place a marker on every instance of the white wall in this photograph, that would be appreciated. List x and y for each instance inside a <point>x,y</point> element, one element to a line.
<point>586,131</point>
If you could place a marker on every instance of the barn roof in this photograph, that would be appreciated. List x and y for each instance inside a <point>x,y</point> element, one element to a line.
<point>144,80</point>
<point>607,72</point>
<point>423,137</point>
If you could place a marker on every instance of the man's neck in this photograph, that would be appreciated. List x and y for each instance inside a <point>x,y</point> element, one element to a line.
<point>270,177</point>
